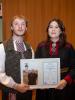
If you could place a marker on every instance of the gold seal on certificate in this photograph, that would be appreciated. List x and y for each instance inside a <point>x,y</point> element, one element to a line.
<point>40,73</point>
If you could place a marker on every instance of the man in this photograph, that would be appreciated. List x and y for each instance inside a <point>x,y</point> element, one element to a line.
<point>11,51</point>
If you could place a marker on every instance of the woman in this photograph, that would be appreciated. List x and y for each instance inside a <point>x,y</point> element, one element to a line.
<point>56,46</point>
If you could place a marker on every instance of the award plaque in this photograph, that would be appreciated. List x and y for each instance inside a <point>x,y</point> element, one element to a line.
<point>40,73</point>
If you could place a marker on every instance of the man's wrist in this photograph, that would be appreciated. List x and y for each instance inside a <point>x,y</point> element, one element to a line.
<point>15,86</point>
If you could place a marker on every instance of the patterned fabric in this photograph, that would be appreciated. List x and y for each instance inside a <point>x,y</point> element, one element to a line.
<point>20,46</point>
<point>13,69</point>
<point>12,96</point>
<point>66,54</point>
<point>53,48</point>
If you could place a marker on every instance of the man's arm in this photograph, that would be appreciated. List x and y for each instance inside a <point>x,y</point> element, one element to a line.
<point>8,80</point>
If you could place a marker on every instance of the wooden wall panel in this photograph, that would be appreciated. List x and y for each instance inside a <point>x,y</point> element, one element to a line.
<point>38,13</point>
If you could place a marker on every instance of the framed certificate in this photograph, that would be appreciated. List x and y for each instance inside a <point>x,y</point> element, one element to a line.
<point>40,73</point>
<point>0,9</point>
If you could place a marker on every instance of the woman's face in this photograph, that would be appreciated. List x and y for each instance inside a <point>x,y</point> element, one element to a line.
<point>54,30</point>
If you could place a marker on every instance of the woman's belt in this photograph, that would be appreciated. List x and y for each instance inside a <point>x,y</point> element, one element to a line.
<point>64,70</point>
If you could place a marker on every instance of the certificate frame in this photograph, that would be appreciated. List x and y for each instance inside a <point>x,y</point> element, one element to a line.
<point>46,70</point>
<point>0,9</point>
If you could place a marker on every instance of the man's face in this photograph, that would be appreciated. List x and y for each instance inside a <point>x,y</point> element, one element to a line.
<point>19,27</point>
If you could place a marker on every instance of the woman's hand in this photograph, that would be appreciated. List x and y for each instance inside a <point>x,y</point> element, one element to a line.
<point>61,84</point>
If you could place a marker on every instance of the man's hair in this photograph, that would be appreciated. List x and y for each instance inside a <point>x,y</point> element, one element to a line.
<point>19,17</point>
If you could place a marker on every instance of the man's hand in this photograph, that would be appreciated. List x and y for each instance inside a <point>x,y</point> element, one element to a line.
<point>21,87</point>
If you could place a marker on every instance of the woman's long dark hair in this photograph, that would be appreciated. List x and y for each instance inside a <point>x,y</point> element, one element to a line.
<point>62,37</point>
